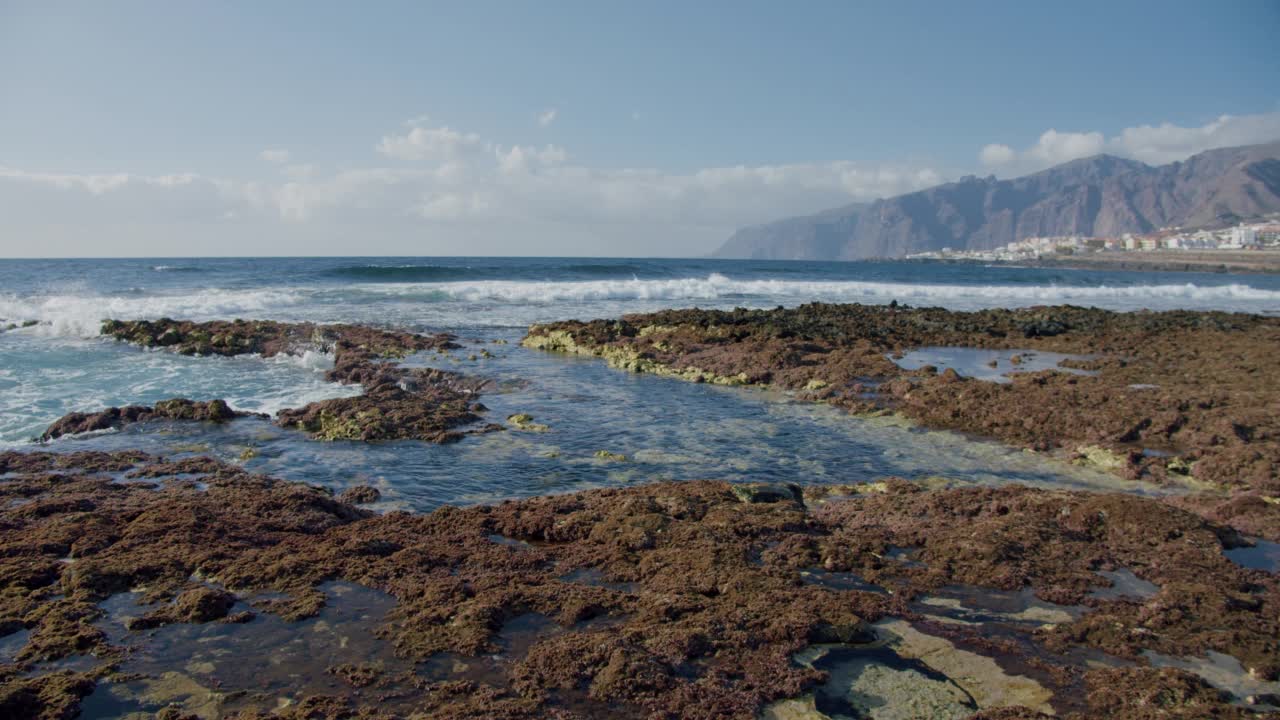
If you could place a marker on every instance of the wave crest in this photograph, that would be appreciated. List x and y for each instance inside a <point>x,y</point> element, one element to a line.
<point>82,315</point>
<point>719,287</point>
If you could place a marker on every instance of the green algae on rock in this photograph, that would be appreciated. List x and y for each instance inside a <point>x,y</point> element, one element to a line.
<point>525,421</point>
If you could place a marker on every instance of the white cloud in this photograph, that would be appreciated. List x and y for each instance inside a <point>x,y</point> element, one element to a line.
<point>1167,142</point>
<point>995,155</point>
<point>275,156</point>
<point>546,117</point>
<point>1058,147</point>
<point>441,144</point>
<point>1152,144</point>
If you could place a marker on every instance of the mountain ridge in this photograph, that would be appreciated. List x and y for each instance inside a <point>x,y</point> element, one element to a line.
<point>1100,195</point>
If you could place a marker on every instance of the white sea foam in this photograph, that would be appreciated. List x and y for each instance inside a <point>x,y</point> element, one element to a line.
<point>309,360</point>
<point>717,287</point>
<point>272,402</point>
<point>79,315</point>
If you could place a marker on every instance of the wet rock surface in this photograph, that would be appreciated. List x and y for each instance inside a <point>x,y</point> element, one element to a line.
<point>1179,396</point>
<point>662,600</point>
<point>398,402</point>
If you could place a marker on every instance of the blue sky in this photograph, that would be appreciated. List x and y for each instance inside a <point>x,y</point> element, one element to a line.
<point>638,128</point>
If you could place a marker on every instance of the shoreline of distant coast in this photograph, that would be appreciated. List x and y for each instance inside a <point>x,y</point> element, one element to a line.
<point>1242,262</point>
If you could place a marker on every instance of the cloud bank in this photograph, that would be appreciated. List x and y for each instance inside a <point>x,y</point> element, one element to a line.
<point>1151,144</point>
<point>431,189</point>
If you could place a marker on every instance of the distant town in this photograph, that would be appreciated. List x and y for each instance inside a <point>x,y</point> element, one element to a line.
<point>1245,236</point>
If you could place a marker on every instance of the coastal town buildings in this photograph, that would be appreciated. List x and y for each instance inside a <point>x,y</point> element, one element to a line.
<point>1244,236</point>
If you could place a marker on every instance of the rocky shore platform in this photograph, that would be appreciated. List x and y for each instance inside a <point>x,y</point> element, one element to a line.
<point>667,600</point>
<point>1191,398</point>
<point>184,588</point>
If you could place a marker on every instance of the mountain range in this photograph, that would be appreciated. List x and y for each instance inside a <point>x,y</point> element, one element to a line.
<point>1096,196</point>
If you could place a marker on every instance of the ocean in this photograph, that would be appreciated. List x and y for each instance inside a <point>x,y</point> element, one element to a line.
<point>669,429</point>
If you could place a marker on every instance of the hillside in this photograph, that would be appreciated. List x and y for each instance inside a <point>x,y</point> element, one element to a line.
<point>1099,196</point>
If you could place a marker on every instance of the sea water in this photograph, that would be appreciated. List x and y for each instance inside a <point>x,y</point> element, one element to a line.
<point>667,429</point>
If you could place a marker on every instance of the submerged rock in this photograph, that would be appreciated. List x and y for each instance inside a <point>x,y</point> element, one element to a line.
<point>524,421</point>
<point>981,678</point>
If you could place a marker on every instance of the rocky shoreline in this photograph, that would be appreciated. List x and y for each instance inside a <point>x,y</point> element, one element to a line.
<point>1173,397</point>
<point>694,599</point>
<point>665,600</point>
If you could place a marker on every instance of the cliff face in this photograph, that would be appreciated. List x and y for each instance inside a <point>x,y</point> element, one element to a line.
<point>1102,195</point>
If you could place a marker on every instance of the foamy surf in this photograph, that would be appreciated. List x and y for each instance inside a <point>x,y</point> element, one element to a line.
<point>78,315</point>
<point>717,287</point>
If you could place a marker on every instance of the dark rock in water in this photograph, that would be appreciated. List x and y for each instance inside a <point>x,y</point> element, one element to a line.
<point>767,492</point>
<point>847,634</point>
<point>360,495</point>
<point>386,412</point>
<point>356,675</point>
<point>202,605</point>
<point>115,417</point>
<point>197,605</point>
<point>269,338</point>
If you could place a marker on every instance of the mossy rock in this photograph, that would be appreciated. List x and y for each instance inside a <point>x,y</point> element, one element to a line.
<point>524,421</point>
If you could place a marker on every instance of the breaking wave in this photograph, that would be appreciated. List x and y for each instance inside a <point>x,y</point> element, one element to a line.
<point>82,315</point>
<point>717,287</point>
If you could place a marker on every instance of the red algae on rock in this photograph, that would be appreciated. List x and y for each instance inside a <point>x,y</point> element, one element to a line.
<point>668,600</point>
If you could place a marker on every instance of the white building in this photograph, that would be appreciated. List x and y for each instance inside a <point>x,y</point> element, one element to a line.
<point>1244,236</point>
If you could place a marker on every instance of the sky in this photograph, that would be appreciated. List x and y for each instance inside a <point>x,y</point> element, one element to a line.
<point>593,128</point>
